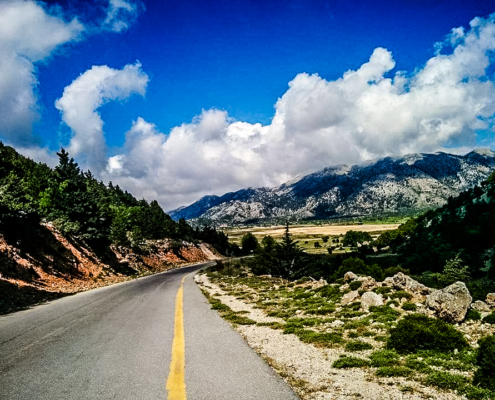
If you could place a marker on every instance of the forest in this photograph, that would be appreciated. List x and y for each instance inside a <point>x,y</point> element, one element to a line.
<point>83,207</point>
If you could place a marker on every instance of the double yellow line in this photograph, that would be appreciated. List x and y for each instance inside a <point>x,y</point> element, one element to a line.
<point>176,384</point>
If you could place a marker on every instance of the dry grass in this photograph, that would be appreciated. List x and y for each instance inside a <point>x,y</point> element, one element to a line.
<point>309,233</point>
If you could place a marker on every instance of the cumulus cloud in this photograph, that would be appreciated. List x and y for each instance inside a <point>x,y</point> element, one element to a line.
<point>29,33</point>
<point>81,100</point>
<point>368,113</point>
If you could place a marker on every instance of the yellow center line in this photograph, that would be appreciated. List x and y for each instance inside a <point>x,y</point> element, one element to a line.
<point>176,384</point>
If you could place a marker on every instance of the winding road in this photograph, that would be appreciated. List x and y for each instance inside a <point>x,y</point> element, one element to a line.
<point>151,338</point>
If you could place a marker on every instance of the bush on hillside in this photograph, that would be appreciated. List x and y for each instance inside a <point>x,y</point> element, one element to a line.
<point>418,332</point>
<point>490,318</point>
<point>485,359</point>
<point>473,315</point>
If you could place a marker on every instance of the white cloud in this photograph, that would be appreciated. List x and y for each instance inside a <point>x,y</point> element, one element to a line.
<point>81,100</point>
<point>367,113</point>
<point>121,14</point>
<point>29,33</point>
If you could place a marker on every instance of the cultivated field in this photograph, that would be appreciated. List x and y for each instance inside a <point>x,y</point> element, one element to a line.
<point>307,235</point>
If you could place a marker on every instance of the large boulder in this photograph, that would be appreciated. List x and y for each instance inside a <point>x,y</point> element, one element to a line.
<point>349,297</point>
<point>451,303</point>
<point>369,299</point>
<point>404,282</point>
<point>350,276</point>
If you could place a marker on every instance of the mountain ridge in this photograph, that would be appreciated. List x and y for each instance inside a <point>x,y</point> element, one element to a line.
<point>414,182</point>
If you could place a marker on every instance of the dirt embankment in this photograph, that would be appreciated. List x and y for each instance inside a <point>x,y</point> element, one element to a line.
<point>50,265</point>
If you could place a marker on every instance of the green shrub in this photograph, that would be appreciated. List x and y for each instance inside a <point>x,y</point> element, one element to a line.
<point>350,362</point>
<point>485,360</point>
<point>217,305</point>
<point>401,294</point>
<point>238,319</point>
<point>394,302</point>
<point>381,338</point>
<point>273,325</point>
<point>393,371</point>
<point>384,358</point>
<point>280,314</point>
<point>355,285</point>
<point>409,307</point>
<point>382,290</point>
<point>490,318</point>
<point>358,346</point>
<point>418,332</point>
<point>446,380</point>
<point>316,338</point>
<point>325,310</point>
<point>477,393</point>
<point>419,366</point>
<point>473,315</point>
<point>329,291</point>
<point>384,314</point>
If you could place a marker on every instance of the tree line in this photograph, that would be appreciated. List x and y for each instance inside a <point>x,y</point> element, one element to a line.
<point>81,206</point>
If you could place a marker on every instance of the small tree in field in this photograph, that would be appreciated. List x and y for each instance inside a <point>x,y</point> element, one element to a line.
<point>249,243</point>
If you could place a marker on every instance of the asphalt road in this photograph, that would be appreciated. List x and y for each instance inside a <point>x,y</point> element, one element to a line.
<point>116,343</point>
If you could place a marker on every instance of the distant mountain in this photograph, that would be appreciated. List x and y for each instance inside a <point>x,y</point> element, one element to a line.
<point>388,186</point>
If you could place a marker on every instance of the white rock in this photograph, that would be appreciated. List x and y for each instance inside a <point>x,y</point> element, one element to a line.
<point>350,276</point>
<point>450,304</point>
<point>349,297</point>
<point>371,299</point>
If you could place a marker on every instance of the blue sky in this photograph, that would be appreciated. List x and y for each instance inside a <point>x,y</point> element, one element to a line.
<point>205,105</point>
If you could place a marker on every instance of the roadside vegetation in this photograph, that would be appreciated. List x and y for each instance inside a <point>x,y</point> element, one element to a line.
<point>388,341</point>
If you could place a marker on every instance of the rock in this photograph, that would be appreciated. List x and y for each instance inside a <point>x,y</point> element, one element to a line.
<point>404,282</point>
<point>369,299</point>
<point>349,297</point>
<point>350,276</point>
<point>490,299</point>
<point>480,306</point>
<point>450,303</point>
<point>388,282</point>
<point>368,283</point>
<point>336,324</point>
<point>322,282</point>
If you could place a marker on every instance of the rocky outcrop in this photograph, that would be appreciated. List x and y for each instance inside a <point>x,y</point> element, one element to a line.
<point>450,303</point>
<point>367,283</point>
<point>369,299</point>
<point>404,282</point>
<point>480,306</point>
<point>490,299</point>
<point>349,297</point>
<point>350,276</point>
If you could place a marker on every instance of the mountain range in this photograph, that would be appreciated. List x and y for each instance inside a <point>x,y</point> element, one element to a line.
<point>391,185</point>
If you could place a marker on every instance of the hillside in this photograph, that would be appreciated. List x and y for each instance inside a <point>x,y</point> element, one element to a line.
<point>462,227</point>
<point>388,186</point>
<point>62,231</point>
